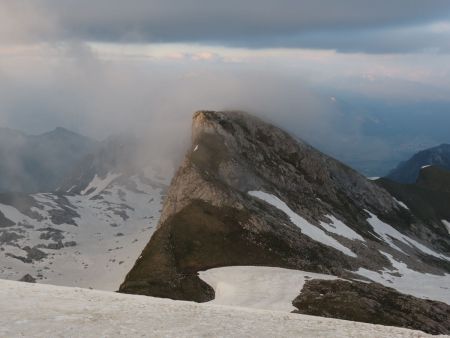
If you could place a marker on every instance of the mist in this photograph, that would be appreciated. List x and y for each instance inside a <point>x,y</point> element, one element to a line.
<point>101,92</point>
<point>97,97</point>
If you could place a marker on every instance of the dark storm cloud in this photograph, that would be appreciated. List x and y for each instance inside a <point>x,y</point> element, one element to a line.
<point>347,24</point>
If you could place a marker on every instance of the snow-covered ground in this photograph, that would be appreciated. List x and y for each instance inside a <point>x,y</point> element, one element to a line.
<point>405,280</point>
<point>36,310</point>
<point>98,184</point>
<point>258,287</point>
<point>116,218</point>
<point>389,234</point>
<point>447,224</point>
<point>400,277</point>
<point>307,228</point>
<point>341,229</point>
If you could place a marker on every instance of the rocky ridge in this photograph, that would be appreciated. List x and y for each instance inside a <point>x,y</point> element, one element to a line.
<point>248,193</point>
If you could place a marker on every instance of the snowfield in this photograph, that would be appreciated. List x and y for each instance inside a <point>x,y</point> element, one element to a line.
<point>405,280</point>
<point>258,287</point>
<point>389,234</point>
<point>38,310</point>
<point>400,277</point>
<point>114,220</point>
<point>307,228</point>
<point>97,185</point>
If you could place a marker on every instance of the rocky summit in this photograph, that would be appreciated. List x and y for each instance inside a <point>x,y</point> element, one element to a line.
<point>248,193</point>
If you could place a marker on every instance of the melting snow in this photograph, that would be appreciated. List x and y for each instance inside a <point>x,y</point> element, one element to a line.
<point>33,310</point>
<point>400,203</point>
<point>71,188</point>
<point>308,229</point>
<point>388,234</point>
<point>411,282</point>
<point>13,214</point>
<point>258,287</point>
<point>447,225</point>
<point>339,228</point>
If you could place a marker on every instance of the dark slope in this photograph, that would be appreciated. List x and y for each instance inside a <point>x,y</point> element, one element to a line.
<point>372,303</point>
<point>434,178</point>
<point>428,199</point>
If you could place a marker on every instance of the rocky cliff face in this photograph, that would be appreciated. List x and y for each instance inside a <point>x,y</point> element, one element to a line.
<point>428,199</point>
<point>372,303</point>
<point>248,193</point>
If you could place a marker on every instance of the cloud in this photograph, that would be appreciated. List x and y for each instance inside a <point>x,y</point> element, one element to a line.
<point>73,87</point>
<point>431,38</point>
<point>24,21</point>
<point>97,91</point>
<point>346,25</point>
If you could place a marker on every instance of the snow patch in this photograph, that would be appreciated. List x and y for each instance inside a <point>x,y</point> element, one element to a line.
<point>13,214</point>
<point>388,234</point>
<point>447,225</point>
<point>71,188</point>
<point>400,203</point>
<point>422,285</point>
<point>99,184</point>
<point>308,229</point>
<point>196,148</point>
<point>425,166</point>
<point>339,228</point>
<point>258,287</point>
<point>33,310</point>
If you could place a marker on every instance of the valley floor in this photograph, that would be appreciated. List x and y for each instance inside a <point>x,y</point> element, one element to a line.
<point>37,310</point>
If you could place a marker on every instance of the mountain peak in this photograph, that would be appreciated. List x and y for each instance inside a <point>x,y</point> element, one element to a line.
<point>248,193</point>
<point>61,132</point>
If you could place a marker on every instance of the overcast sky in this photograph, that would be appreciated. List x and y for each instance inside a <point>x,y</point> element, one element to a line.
<point>104,66</point>
<point>381,26</point>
